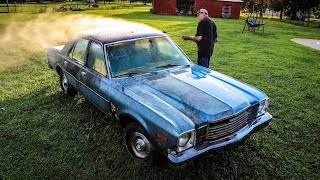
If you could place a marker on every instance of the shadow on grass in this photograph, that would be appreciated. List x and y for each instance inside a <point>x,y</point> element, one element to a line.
<point>311,24</point>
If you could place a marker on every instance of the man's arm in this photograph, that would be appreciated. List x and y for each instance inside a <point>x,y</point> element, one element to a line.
<point>193,38</point>
<point>199,34</point>
<point>214,32</point>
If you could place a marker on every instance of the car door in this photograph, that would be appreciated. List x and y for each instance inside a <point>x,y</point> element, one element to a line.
<point>75,61</point>
<point>93,77</point>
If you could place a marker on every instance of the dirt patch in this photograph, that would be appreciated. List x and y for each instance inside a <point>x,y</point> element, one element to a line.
<point>313,43</point>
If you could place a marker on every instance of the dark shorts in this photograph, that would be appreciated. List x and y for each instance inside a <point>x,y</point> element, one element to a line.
<point>204,61</point>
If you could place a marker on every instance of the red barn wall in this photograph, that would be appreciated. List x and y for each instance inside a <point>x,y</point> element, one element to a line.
<point>235,11</point>
<point>215,7</point>
<point>165,7</point>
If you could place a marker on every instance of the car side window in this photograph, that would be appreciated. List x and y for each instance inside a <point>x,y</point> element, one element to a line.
<point>79,51</point>
<point>96,59</point>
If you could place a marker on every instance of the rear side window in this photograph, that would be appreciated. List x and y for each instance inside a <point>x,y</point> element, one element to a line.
<point>96,58</point>
<point>79,51</point>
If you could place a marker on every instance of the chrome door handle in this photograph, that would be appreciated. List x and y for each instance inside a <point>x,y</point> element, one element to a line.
<point>83,73</point>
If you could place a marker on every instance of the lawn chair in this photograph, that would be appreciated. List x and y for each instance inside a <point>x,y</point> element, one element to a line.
<point>252,24</point>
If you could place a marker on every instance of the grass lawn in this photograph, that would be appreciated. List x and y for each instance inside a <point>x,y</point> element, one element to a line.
<point>45,134</point>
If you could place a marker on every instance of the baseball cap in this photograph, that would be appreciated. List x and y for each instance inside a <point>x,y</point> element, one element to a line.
<point>202,11</point>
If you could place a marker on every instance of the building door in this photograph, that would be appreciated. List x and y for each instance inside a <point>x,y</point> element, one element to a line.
<point>226,11</point>
<point>185,7</point>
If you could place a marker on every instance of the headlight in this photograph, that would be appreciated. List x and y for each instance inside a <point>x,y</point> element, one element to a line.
<point>263,106</point>
<point>186,140</point>
<point>183,139</point>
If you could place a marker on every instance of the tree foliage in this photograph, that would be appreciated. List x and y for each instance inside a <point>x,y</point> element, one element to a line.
<point>292,7</point>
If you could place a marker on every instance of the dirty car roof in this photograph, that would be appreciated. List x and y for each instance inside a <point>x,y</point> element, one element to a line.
<point>109,35</point>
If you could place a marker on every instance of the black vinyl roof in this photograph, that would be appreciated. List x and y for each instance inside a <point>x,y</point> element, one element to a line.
<point>106,36</point>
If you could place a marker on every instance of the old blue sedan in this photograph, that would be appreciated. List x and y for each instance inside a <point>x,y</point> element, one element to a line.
<point>168,105</point>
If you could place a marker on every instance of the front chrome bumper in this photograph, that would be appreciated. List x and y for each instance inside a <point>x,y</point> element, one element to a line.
<point>231,140</point>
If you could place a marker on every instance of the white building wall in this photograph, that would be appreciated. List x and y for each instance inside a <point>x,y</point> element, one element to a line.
<point>269,12</point>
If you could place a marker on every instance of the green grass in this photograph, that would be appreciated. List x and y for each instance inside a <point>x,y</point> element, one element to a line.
<point>45,134</point>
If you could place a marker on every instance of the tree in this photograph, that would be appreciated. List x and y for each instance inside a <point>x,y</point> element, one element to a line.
<point>304,6</point>
<point>256,5</point>
<point>278,5</point>
<point>7,1</point>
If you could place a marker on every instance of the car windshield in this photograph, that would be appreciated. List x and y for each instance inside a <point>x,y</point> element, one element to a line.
<point>144,56</point>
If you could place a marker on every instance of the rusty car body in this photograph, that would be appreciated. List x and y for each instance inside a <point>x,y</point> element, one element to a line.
<point>166,103</point>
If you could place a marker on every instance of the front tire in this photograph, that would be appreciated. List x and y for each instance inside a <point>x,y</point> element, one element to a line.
<point>139,144</point>
<point>65,86</point>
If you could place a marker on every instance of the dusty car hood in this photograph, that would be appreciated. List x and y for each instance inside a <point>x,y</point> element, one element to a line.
<point>194,92</point>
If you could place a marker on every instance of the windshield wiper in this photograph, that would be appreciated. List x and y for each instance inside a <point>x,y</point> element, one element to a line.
<point>168,65</point>
<point>132,73</point>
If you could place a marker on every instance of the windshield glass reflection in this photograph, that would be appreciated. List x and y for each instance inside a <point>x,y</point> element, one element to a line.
<point>144,56</point>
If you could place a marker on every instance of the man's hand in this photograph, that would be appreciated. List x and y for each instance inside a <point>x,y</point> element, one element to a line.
<point>185,38</point>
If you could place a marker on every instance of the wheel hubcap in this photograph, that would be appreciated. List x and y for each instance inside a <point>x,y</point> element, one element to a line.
<point>140,145</point>
<point>64,82</point>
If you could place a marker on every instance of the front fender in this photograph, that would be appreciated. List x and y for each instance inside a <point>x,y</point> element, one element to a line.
<point>161,132</point>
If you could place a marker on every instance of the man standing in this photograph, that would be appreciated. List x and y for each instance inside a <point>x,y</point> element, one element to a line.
<point>205,37</point>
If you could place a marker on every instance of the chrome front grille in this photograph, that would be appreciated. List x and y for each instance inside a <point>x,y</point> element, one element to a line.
<point>200,135</point>
<point>216,130</point>
<point>253,112</point>
<point>224,127</point>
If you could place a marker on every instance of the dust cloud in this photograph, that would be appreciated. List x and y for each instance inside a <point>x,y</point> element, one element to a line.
<point>47,30</point>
